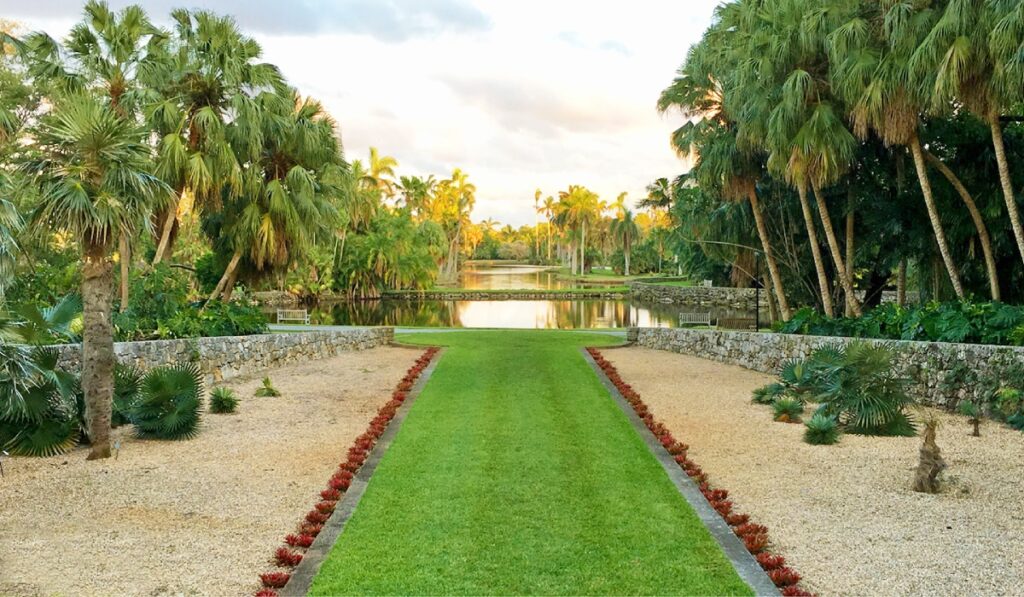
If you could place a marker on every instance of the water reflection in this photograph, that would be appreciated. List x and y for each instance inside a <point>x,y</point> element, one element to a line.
<point>488,276</point>
<point>505,314</point>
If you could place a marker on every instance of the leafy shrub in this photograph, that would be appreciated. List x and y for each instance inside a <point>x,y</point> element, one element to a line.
<point>769,393</point>
<point>787,410</point>
<point>127,385</point>
<point>154,296</point>
<point>267,389</point>
<point>169,403</point>
<point>961,321</point>
<point>223,400</point>
<point>822,430</point>
<point>216,319</point>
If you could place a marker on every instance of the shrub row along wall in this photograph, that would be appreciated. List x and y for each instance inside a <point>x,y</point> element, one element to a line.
<point>737,298</point>
<point>230,356</point>
<point>926,363</point>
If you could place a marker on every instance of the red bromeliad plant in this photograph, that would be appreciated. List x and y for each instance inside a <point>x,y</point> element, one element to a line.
<point>341,480</point>
<point>754,536</point>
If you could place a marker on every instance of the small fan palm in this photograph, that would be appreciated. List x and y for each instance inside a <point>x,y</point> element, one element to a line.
<point>169,404</point>
<point>267,389</point>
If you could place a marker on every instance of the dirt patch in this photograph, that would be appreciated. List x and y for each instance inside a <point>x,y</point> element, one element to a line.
<point>844,515</point>
<point>197,517</point>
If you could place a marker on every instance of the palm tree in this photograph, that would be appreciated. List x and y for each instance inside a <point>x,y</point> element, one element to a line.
<point>382,172</point>
<point>453,206</point>
<point>205,88</point>
<point>290,194</point>
<point>870,53</point>
<point>625,231</point>
<point>720,164</point>
<point>548,208</point>
<point>954,65</point>
<point>93,168</point>
<point>104,52</point>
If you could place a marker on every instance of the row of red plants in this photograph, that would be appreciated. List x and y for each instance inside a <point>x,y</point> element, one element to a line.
<point>290,554</point>
<point>754,536</point>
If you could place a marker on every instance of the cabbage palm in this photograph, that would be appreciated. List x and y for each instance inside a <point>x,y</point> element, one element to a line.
<point>452,206</point>
<point>94,175</point>
<point>548,208</point>
<point>204,104</point>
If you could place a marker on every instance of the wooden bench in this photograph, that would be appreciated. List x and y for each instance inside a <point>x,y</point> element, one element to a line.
<point>293,316</point>
<point>695,319</point>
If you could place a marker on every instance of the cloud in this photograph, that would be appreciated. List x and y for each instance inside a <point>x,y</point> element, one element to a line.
<point>388,20</point>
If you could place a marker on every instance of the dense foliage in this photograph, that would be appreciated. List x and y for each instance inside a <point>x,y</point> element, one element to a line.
<point>986,323</point>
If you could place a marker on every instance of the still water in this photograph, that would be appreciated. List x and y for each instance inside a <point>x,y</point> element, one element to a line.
<point>550,314</point>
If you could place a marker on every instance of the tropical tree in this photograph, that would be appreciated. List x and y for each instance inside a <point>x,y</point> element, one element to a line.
<point>94,173</point>
<point>203,106</point>
<point>381,173</point>
<point>625,231</point>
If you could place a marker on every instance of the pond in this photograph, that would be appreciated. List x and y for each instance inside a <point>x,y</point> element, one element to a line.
<point>538,314</point>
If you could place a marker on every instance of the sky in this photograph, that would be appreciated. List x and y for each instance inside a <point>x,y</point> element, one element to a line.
<point>520,94</point>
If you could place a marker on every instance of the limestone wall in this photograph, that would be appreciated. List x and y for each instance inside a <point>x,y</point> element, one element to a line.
<point>230,356</point>
<point>926,363</point>
<point>736,298</point>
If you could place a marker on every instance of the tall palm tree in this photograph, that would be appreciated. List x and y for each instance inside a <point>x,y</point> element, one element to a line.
<point>382,172</point>
<point>204,108</point>
<point>870,53</point>
<point>548,208</point>
<point>105,53</point>
<point>290,193</point>
<point>93,168</point>
<point>625,231</point>
<point>954,65</point>
<point>453,207</point>
<point>719,163</point>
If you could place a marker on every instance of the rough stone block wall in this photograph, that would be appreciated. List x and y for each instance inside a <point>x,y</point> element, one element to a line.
<point>736,298</point>
<point>926,363</point>
<point>230,356</point>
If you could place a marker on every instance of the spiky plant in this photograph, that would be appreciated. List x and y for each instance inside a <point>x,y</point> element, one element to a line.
<point>970,410</point>
<point>822,430</point>
<point>267,389</point>
<point>223,400</point>
<point>787,410</point>
<point>769,393</point>
<point>127,385</point>
<point>169,404</point>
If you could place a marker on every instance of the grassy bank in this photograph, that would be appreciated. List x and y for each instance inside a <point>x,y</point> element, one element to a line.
<point>516,473</point>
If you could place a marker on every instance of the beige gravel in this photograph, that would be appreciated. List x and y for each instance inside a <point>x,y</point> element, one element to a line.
<point>198,517</point>
<point>844,515</point>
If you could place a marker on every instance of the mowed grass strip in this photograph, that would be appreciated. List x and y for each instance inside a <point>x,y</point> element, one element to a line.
<point>515,473</point>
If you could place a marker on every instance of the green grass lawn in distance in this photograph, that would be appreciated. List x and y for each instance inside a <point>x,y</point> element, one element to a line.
<point>516,473</point>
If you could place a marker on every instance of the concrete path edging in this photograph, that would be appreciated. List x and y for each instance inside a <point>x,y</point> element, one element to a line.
<point>302,576</point>
<point>745,565</point>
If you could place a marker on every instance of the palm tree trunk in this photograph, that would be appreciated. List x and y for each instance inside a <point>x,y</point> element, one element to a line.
<point>583,251</point>
<point>812,239</point>
<point>1004,179</point>
<point>228,271</point>
<point>625,253</point>
<point>769,254</point>
<point>933,215</point>
<point>164,246</point>
<point>850,247</point>
<point>901,283</point>
<point>97,346</point>
<point>230,286</point>
<point>125,255</point>
<point>549,242</point>
<point>845,273</point>
<point>979,222</point>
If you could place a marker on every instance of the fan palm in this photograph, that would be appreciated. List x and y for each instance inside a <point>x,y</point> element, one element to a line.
<point>93,170</point>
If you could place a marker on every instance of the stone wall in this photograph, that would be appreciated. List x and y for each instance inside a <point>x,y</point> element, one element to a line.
<point>926,363</point>
<point>736,298</point>
<point>230,356</point>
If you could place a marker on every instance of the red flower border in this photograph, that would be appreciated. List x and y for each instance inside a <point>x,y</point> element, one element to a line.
<point>290,555</point>
<point>754,536</point>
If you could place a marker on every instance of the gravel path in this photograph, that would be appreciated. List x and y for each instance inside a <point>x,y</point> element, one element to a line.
<point>198,517</point>
<point>844,515</point>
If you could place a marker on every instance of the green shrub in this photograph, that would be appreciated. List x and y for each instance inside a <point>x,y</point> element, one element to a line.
<point>154,296</point>
<point>223,400</point>
<point>169,403</point>
<point>769,393</point>
<point>127,384</point>
<point>959,321</point>
<point>787,410</point>
<point>216,319</point>
<point>822,430</point>
<point>267,389</point>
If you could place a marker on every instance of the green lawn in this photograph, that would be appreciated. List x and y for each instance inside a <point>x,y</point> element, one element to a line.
<point>515,473</point>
